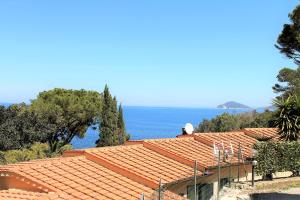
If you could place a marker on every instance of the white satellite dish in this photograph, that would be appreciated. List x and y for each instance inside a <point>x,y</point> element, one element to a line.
<point>189,129</point>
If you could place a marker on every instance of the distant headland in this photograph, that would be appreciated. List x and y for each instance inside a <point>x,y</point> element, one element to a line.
<point>233,105</point>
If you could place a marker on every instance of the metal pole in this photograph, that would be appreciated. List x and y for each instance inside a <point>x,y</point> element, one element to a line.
<point>142,197</point>
<point>252,174</point>
<point>229,179</point>
<point>195,180</point>
<point>159,190</point>
<point>239,155</point>
<point>219,175</point>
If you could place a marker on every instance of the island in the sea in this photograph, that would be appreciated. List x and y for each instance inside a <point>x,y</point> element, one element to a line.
<point>233,105</point>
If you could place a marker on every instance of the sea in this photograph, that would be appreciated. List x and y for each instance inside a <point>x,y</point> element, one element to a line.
<point>156,122</point>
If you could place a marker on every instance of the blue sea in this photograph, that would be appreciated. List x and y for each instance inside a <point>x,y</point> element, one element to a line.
<point>156,122</point>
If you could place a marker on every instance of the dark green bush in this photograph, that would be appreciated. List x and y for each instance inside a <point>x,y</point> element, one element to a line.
<point>233,122</point>
<point>277,157</point>
<point>36,151</point>
<point>267,158</point>
<point>2,158</point>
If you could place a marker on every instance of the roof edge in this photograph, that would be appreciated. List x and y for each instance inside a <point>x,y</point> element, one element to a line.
<point>73,153</point>
<point>36,186</point>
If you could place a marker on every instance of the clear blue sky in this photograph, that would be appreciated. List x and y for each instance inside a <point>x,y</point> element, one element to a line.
<point>151,53</point>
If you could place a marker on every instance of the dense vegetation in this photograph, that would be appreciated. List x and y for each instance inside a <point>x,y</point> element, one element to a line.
<point>112,127</point>
<point>285,156</point>
<point>277,157</point>
<point>287,117</point>
<point>19,127</point>
<point>288,83</point>
<point>66,114</point>
<point>35,151</point>
<point>230,122</point>
<point>46,127</point>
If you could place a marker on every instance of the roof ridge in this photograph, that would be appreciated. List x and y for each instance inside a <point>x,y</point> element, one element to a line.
<point>223,132</point>
<point>102,148</point>
<point>35,162</point>
<point>261,128</point>
<point>172,155</point>
<point>163,139</point>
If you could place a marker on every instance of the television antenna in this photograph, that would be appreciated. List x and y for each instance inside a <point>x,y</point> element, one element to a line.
<point>220,149</point>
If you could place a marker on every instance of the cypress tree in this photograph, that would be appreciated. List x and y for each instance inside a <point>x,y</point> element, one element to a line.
<point>108,135</point>
<point>121,126</point>
<point>114,109</point>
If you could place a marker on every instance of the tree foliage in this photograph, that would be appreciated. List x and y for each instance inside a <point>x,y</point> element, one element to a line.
<point>277,157</point>
<point>287,117</point>
<point>267,158</point>
<point>112,127</point>
<point>47,126</point>
<point>289,82</point>
<point>66,114</point>
<point>233,122</point>
<point>35,151</point>
<point>123,136</point>
<point>19,127</point>
<point>288,41</point>
<point>108,128</point>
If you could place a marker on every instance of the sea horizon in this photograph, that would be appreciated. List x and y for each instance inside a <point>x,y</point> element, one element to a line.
<point>144,122</point>
<point>161,106</point>
<point>152,122</point>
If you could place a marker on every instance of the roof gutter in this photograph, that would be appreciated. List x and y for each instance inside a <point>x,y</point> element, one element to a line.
<point>246,162</point>
<point>191,178</point>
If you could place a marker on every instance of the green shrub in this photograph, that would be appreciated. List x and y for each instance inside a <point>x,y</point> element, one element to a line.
<point>232,122</point>
<point>267,158</point>
<point>61,150</point>
<point>36,151</point>
<point>289,156</point>
<point>2,158</point>
<point>275,157</point>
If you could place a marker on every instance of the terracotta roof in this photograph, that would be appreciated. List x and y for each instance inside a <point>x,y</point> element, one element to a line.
<point>75,178</point>
<point>147,163</point>
<point>262,133</point>
<point>188,148</point>
<point>235,138</point>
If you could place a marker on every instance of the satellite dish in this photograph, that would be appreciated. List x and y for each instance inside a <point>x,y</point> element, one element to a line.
<point>189,129</point>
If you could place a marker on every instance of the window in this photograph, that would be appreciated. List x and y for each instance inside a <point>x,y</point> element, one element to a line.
<point>204,191</point>
<point>223,182</point>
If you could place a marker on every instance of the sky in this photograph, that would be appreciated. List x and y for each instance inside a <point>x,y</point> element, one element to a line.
<point>150,53</point>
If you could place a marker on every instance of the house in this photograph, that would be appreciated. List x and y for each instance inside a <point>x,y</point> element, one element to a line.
<point>150,168</point>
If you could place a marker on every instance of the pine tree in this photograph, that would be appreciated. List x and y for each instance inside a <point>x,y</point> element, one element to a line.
<point>108,130</point>
<point>121,126</point>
